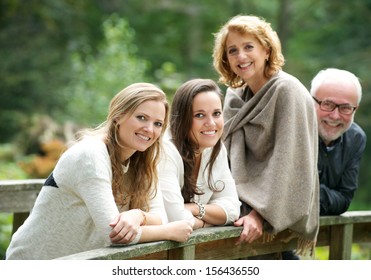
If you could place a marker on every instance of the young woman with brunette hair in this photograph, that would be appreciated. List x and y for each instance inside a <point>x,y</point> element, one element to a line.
<point>195,179</point>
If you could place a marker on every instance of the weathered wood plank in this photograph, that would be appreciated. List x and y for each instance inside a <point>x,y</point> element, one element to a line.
<point>337,232</point>
<point>323,238</point>
<point>182,253</point>
<point>341,238</point>
<point>227,248</point>
<point>219,243</point>
<point>209,243</point>
<point>19,195</point>
<point>350,217</point>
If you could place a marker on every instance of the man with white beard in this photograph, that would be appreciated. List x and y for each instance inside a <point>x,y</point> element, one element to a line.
<point>337,94</point>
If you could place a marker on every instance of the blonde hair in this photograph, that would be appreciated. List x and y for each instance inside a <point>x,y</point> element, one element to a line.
<point>246,25</point>
<point>140,182</point>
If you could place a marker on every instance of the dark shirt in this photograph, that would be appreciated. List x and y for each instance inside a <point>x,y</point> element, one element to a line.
<point>338,168</point>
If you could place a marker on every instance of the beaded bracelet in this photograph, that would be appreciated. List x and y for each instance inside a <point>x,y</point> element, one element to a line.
<point>202,211</point>
<point>144,222</point>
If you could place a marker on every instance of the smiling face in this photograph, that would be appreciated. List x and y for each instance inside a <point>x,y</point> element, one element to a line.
<point>331,125</point>
<point>142,128</point>
<point>247,58</point>
<point>208,122</point>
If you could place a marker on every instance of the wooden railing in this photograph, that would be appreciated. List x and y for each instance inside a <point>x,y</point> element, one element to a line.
<point>337,232</point>
<point>18,197</point>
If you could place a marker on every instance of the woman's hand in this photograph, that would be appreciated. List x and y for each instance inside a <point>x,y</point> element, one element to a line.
<point>179,230</point>
<point>252,227</point>
<point>125,226</point>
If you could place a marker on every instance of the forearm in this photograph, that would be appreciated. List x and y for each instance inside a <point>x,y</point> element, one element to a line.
<point>151,219</point>
<point>333,202</point>
<point>214,214</point>
<point>154,233</point>
<point>176,231</point>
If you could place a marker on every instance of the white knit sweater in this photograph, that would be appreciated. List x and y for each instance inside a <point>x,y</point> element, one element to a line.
<point>74,217</point>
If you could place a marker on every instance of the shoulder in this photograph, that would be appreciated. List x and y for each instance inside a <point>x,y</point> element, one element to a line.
<point>88,156</point>
<point>168,146</point>
<point>289,83</point>
<point>88,148</point>
<point>290,91</point>
<point>356,129</point>
<point>286,78</point>
<point>169,150</point>
<point>356,134</point>
<point>221,158</point>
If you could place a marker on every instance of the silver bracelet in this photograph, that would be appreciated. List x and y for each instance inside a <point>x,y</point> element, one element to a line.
<point>202,211</point>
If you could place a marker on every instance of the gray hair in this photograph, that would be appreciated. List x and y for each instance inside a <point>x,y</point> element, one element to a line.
<point>336,74</point>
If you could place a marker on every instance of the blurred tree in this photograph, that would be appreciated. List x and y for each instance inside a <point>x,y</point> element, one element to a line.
<point>36,38</point>
<point>97,77</point>
<point>174,41</point>
<point>181,32</point>
<point>336,34</point>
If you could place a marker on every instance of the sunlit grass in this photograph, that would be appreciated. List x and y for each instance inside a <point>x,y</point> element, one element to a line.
<point>359,252</point>
<point>11,171</point>
<point>6,221</point>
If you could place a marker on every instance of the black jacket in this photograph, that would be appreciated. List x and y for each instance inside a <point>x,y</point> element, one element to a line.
<point>338,170</point>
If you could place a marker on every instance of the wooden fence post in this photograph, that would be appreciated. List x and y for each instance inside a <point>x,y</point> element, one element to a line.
<point>341,238</point>
<point>182,253</point>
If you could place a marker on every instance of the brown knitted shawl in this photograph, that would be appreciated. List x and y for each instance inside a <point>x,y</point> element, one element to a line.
<point>272,143</point>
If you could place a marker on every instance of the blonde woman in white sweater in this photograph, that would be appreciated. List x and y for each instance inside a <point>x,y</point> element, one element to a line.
<point>103,189</point>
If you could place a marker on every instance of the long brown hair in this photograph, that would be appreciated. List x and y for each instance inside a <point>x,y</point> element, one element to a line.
<point>181,116</point>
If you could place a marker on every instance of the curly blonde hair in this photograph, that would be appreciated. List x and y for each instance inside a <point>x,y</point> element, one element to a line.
<point>246,25</point>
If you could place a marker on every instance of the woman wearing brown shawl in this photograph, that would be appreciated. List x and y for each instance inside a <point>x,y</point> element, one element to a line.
<point>270,134</point>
